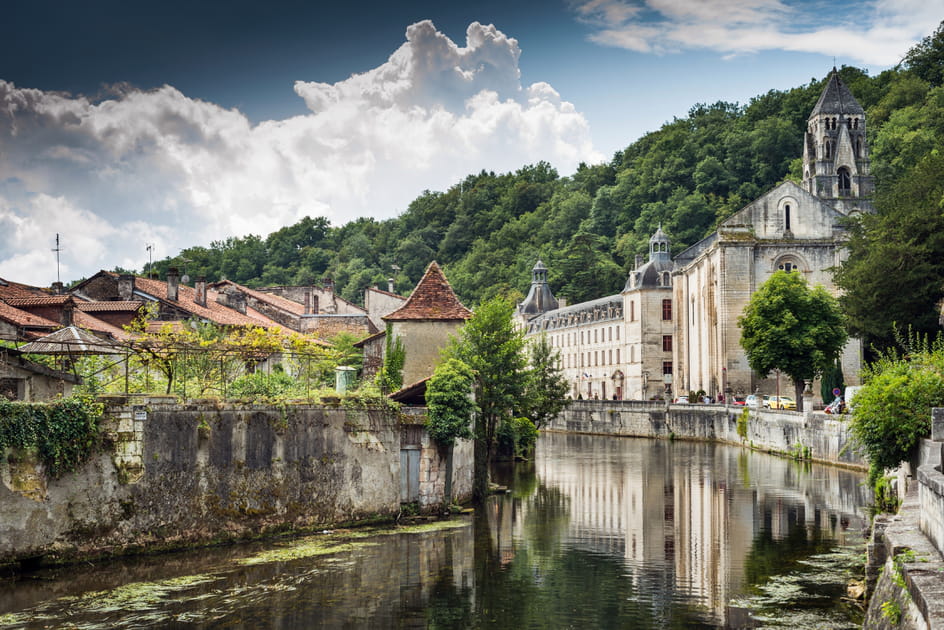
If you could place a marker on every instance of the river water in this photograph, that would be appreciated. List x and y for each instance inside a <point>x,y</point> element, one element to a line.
<point>596,532</point>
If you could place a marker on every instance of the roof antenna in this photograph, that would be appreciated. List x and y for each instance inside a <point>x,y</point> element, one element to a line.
<point>57,249</point>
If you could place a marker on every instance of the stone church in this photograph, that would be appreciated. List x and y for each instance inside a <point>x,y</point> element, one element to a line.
<point>673,328</point>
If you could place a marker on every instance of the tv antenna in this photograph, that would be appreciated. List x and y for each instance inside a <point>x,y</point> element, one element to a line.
<point>57,249</point>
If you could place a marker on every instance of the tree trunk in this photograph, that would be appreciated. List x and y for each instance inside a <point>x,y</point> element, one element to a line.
<point>480,480</point>
<point>798,386</point>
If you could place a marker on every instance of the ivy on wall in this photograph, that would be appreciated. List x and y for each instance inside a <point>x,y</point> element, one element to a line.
<point>64,433</point>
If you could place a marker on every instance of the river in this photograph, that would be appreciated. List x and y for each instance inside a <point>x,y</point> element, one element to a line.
<point>596,532</point>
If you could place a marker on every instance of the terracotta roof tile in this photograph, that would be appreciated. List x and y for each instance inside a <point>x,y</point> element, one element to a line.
<point>35,300</point>
<point>84,320</point>
<point>111,307</point>
<point>432,299</point>
<point>16,290</point>
<point>19,317</point>
<point>213,311</point>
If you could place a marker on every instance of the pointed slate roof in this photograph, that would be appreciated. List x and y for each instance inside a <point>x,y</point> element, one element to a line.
<point>432,299</point>
<point>836,98</point>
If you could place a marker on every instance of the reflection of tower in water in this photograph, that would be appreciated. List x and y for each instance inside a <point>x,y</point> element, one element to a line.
<point>684,516</point>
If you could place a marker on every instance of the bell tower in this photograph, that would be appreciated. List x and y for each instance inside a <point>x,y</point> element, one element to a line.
<point>835,151</point>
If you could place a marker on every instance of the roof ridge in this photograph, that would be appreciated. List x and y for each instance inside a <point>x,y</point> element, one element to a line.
<point>433,299</point>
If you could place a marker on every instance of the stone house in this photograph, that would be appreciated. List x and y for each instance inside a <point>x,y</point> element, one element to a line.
<point>425,322</point>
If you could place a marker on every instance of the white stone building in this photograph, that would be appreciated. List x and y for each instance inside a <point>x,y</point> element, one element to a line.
<point>673,328</point>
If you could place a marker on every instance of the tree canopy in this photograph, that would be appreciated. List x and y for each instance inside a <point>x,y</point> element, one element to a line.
<point>790,327</point>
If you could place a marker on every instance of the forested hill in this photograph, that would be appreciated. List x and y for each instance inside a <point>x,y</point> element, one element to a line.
<point>489,229</point>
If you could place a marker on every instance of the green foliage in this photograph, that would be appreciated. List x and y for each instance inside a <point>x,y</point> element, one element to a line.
<point>895,271</point>
<point>742,421</point>
<point>516,437</point>
<point>893,409</point>
<point>926,59</point>
<point>891,611</point>
<point>490,344</point>
<point>831,379</point>
<point>390,376</point>
<point>450,403</point>
<point>65,433</point>
<point>546,388</point>
<point>263,386</point>
<point>790,327</point>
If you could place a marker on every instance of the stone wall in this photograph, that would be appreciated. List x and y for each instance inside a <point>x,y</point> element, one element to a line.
<point>811,434</point>
<point>181,474</point>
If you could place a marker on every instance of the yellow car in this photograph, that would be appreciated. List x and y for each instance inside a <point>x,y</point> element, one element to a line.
<point>782,402</point>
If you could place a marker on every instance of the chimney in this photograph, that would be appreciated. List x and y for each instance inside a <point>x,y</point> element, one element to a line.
<point>307,301</point>
<point>173,284</point>
<point>390,285</point>
<point>328,285</point>
<point>200,290</point>
<point>57,288</point>
<point>67,318</point>
<point>126,287</point>
<point>236,300</point>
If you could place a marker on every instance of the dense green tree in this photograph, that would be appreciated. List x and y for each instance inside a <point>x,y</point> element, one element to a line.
<point>926,59</point>
<point>546,388</point>
<point>790,327</point>
<point>493,347</point>
<point>895,270</point>
<point>450,403</point>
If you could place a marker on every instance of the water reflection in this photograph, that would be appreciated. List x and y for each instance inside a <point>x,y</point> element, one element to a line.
<point>596,532</point>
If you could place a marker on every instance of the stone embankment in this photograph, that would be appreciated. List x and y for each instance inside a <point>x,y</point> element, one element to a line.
<point>175,475</point>
<point>809,435</point>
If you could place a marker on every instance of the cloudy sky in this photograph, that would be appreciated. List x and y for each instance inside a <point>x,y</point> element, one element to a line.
<point>124,124</point>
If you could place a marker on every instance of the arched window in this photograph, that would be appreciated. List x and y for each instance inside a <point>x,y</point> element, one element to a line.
<point>845,182</point>
<point>827,149</point>
<point>855,123</point>
<point>849,123</point>
<point>786,217</point>
<point>788,265</point>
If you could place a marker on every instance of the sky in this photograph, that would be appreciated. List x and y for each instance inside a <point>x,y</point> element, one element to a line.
<point>127,124</point>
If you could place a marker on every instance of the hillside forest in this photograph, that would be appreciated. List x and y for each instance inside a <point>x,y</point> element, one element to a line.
<point>488,230</point>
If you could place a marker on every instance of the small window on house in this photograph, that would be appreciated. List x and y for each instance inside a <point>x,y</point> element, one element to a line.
<point>666,310</point>
<point>666,343</point>
<point>617,336</point>
<point>617,355</point>
<point>666,367</point>
<point>632,311</point>
<point>609,355</point>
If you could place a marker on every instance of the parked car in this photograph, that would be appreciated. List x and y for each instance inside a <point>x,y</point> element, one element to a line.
<point>681,400</point>
<point>765,402</point>
<point>752,400</point>
<point>738,400</point>
<point>782,402</point>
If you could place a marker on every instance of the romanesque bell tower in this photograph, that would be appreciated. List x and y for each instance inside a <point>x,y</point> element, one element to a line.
<point>835,152</point>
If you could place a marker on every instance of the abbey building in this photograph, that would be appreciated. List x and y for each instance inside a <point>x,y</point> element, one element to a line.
<point>673,328</point>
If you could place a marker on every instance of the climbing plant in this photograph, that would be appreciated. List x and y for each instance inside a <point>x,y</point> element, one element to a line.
<point>64,433</point>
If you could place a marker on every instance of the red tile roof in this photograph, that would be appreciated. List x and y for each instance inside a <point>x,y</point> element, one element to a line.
<point>19,317</point>
<point>111,307</point>
<point>35,300</point>
<point>432,299</point>
<point>90,322</point>
<point>213,311</point>
<point>16,290</point>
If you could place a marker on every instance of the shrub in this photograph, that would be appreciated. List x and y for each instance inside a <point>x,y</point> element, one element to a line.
<point>893,409</point>
<point>260,385</point>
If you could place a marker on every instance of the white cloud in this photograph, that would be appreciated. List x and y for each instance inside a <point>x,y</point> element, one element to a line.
<point>877,32</point>
<point>161,167</point>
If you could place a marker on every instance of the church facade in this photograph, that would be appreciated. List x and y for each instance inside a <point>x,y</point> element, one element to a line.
<point>673,328</point>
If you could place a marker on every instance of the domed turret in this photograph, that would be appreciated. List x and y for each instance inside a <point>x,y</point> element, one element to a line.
<point>539,299</point>
<point>658,271</point>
